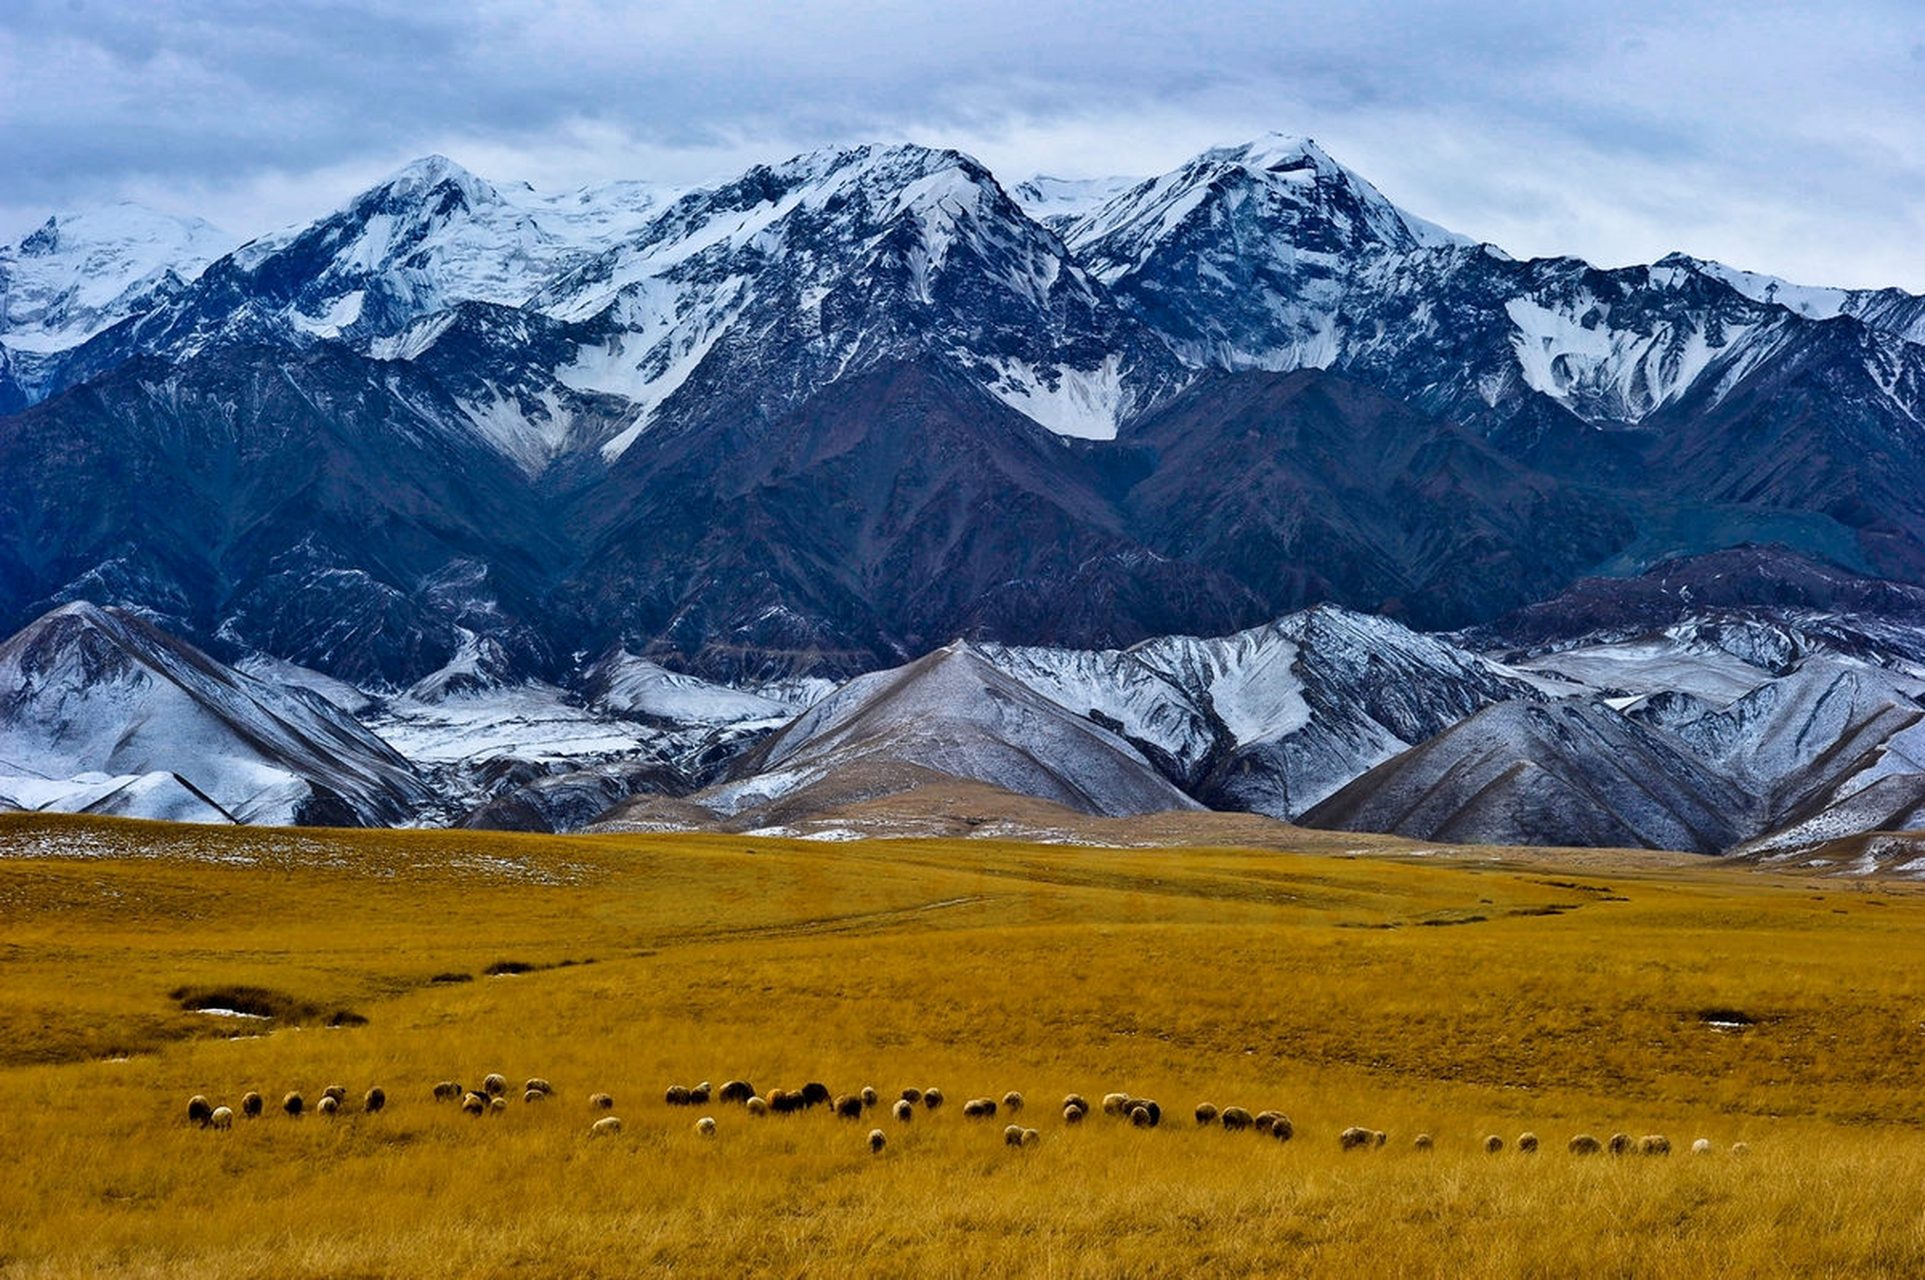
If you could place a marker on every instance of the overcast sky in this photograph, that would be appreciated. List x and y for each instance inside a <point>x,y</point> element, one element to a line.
<point>1787,138</point>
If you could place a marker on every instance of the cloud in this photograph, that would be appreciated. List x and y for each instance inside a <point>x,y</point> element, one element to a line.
<point>1781,138</point>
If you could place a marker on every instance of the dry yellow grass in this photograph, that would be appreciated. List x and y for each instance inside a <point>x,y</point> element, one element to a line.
<point>1454,997</point>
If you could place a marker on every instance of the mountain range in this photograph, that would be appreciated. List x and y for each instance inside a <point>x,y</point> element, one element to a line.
<point>660,467</point>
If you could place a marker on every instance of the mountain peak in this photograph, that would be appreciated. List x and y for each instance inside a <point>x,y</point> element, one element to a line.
<point>1276,153</point>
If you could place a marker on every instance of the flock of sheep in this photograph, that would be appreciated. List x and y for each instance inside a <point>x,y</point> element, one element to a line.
<point>1142,1113</point>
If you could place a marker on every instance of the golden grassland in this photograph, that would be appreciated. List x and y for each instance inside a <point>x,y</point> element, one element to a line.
<point>1458,996</point>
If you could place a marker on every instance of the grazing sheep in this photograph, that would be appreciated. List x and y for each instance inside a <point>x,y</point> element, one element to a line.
<point>375,1099</point>
<point>736,1091</point>
<point>869,1095</point>
<point>605,1127</point>
<point>1357,1136</point>
<point>1206,1113</point>
<point>1584,1145</point>
<point>1654,1144</point>
<point>338,1092</point>
<point>699,1095</point>
<point>1012,1101</point>
<point>1141,1118</point>
<point>533,1095</point>
<point>1076,1100</point>
<point>1527,1143</point>
<point>904,1110</point>
<point>293,1104</point>
<point>1265,1121</point>
<point>1702,1147</point>
<point>1423,1142</point>
<point>677,1095</point>
<point>1620,1143</point>
<point>878,1139</point>
<point>815,1094</point>
<point>911,1096</point>
<point>1149,1105</point>
<point>497,1106</point>
<point>494,1084</point>
<point>1013,1135</point>
<point>849,1106</point>
<point>1073,1113</point>
<point>932,1098</point>
<point>1237,1119</point>
<point>979,1108</point>
<point>448,1091</point>
<point>474,1104</point>
<point>1741,1149</point>
<point>537,1085</point>
<point>706,1126</point>
<point>601,1102</point>
<point>328,1105</point>
<point>1282,1130</point>
<point>221,1118</point>
<point>784,1101</point>
<point>1493,1145</point>
<point>251,1104</point>
<point>757,1105</point>
<point>199,1110</point>
<point>1116,1104</point>
<point>1031,1137</point>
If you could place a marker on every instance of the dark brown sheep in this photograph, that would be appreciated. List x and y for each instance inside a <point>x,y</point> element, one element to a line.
<point>474,1104</point>
<point>736,1091</point>
<point>494,1084</point>
<point>1584,1145</point>
<point>878,1140</point>
<point>904,1110</point>
<point>1620,1144</point>
<point>849,1106</point>
<point>1149,1105</point>
<point>932,1098</point>
<point>676,1095</point>
<point>1076,1100</point>
<point>1236,1119</point>
<point>294,1104</point>
<point>869,1095</point>
<point>375,1099</point>
<point>1206,1113</point>
<point>1493,1145</point>
<point>1140,1117</point>
<point>815,1094</point>
<point>338,1092</point>
<point>251,1104</point>
<point>1356,1137</point>
<point>448,1091</point>
<point>980,1108</point>
<point>911,1096</point>
<point>199,1110</point>
<point>535,1084</point>
<point>1073,1113</point>
<point>1527,1143</point>
<point>1013,1136</point>
<point>1012,1101</point>
<point>1654,1144</point>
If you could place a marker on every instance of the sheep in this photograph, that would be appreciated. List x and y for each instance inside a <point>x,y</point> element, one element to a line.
<point>251,1104</point>
<point>1236,1119</point>
<point>536,1084</point>
<point>1357,1137</point>
<point>1013,1135</point>
<point>1031,1137</point>
<point>706,1126</point>
<point>756,1105</point>
<point>904,1110</point>
<point>1206,1113</point>
<point>374,1099</point>
<point>869,1096</point>
<point>932,1098</point>
<point>199,1110</point>
<point>448,1091</point>
<point>815,1094</point>
<point>1116,1104</point>
<point>497,1106</point>
<point>979,1108</point>
<point>699,1095</point>
<point>601,1102</point>
<point>474,1104</point>
<point>221,1118</point>
<point>1073,1113</point>
<point>1141,1118</point>
<point>677,1095</point>
<point>1423,1142</point>
<point>1149,1105</point>
<point>293,1104</point>
<point>1584,1145</point>
<point>338,1092</point>
<point>784,1101</point>
<point>1493,1145</point>
<point>1654,1144</point>
<point>1741,1149</point>
<point>1076,1100</point>
<point>329,1104</point>
<point>1265,1121</point>
<point>1702,1147</point>
<point>1281,1129</point>
<point>533,1095</point>
<point>736,1091</point>
<point>494,1084</point>
<point>1012,1101</point>
<point>1620,1143</point>
<point>605,1127</point>
<point>849,1106</point>
<point>1527,1143</point>
<point>878,1139</point>
<point>911,1095</point>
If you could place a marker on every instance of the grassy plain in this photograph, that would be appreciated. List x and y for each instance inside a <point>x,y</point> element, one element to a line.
<point>1459,996</point>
